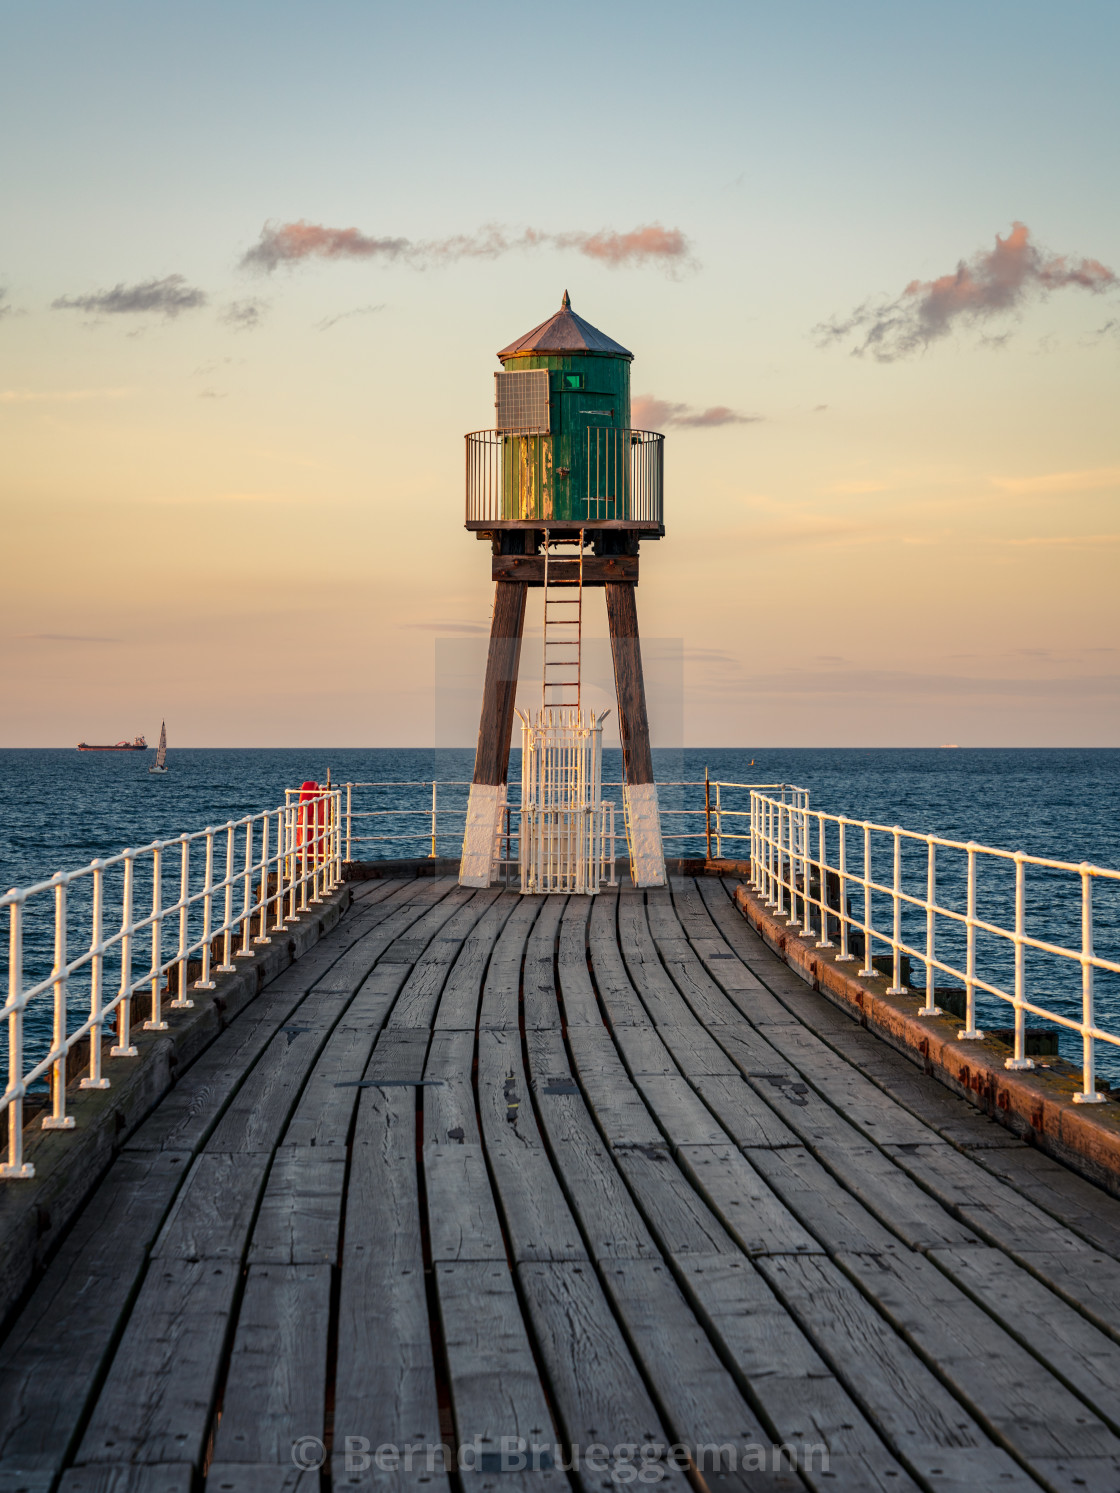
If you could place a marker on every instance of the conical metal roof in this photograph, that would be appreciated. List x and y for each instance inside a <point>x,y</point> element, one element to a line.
<point>565,333</point>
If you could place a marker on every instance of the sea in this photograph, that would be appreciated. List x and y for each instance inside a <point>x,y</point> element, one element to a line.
<point>59,809</point>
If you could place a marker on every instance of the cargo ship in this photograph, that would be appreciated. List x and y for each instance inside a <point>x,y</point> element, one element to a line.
<point>137,744</point>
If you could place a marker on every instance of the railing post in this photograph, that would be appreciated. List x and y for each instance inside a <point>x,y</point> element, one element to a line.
<point>349,809</point>
<point>155,1022</point>
<point>58,1119</point>
<point>278,896</point>
<point>227,965</point>
<point>317,838</point>
<point>124,1047</point>
<point>868,969</point>
<point>1089,1094</point>
<point>719,823</point>
<point>844,956</point>
<point>931,1008</point>
<point>970,1032</point>
<point>707,816</point>
<point>822,873</point>
<point>432,856</point>
<point>246,950</point>
<point>290,855</point>
<point>1019,1059</point>
<point>181,1001</point>
<point>896,986</point>
<point>780,908</point>
<point>205,982</point>
<point>15,1166</point>
<point>805,843</point>
<point>95,1079</point>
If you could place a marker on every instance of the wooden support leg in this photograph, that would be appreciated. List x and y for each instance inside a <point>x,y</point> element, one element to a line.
<point>491,758</point>
<point>646,850</point>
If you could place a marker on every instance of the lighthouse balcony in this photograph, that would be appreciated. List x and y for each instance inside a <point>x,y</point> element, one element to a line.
<point>601,478</point>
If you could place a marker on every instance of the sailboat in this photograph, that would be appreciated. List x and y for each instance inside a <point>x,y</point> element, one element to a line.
<point>161,750</point>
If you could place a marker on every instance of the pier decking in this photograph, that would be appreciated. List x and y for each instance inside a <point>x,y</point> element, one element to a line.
<point>594,1173</point>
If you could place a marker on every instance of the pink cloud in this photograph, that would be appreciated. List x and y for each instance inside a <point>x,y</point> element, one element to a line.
<point>647,412</point>
<point>292,243</point>
<point>993,282</point>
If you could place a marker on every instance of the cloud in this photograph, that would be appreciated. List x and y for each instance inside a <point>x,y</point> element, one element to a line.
<point>1083,481</point>
<point>1048,541</point>
<point>244,316</point>
<point>852,489</point>
<point>61,637</point>
<point>333,321</point>
<point>292,243</point>
<point>647,412</point>
<point>168,297</point>
<point>59,396</point>
<point>470,627</point>
<point>993,282</point>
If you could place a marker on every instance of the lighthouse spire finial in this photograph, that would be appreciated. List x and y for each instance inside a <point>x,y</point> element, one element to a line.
<point>565,304</point>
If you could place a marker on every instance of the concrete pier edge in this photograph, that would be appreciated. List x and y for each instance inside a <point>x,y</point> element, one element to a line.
<point>35,1214</point>
<point>1037,1106</point>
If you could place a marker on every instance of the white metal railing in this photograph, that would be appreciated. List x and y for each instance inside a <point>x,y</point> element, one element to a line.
<point>566,832</point>
<point>800,867</point>
<point>257,875</point>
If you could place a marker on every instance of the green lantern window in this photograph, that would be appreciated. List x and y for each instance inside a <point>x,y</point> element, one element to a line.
<point>571,381</point>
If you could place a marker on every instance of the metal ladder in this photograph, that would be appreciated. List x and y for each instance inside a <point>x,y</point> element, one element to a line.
<point>563,634</point>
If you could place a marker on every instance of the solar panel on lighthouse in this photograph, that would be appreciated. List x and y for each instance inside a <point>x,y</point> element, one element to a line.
<point>521,400</point>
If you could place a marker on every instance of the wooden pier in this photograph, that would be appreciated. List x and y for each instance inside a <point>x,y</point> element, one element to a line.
<point>591,1172</point>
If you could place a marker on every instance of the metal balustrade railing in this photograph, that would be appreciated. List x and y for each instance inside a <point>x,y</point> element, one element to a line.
<point>803,868</point>
<point>222,891</point>
<point>607,476</point>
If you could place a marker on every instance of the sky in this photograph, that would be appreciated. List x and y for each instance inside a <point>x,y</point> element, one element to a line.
<point>256,261</point>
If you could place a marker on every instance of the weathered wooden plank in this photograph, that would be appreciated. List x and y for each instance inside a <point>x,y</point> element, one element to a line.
<point>301,1209</point>
<point>596,1388</point>
<point>1015,1397</point>
<point>401,914</point>
<point>502,988</point>
<point>678,1218</point>
<point>170,1478</point>
<point>462,991</point>
<point>644,1052</point>
<point>462,1216</point>
<point>701,1401</point>
<point>861,1102</point>
<point>538,988</point>
<point>831,1214</point>
<point>749,1210</point>
<point>704,995</point>
<point>581,1007</point>
<point>214,1209</point>
<point>908,1404</point>
<point>324,1111</point>
<point>496,1392</point>
<point>385,1379</point>
<point>893,1198</point>
<point>184,1118</point>
<point>418,999</point>
<point>804,1404</point>
<point>57,1348</point>
<point>742,1113</point>
<point>662,1000</point>
<point>275,1389</point>
<point>996,1212</point>
<point>616,1104</point>
<point>592,1183</point>
<point>1076,1350</point>
<point>255,1118</point>
<point>612,982</point>
<point>696,1051</point>
<point>683,1117</point>
<point>538,1221</point>
<point>1077,1204</point>
<point>243,1477</point>
<point>157,1400</point>
<point>449,1103</point>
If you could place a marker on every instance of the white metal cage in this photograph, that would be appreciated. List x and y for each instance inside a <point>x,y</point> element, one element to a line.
<point>567,829</point>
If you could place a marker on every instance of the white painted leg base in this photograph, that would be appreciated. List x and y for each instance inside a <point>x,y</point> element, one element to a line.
<point>484,810</point>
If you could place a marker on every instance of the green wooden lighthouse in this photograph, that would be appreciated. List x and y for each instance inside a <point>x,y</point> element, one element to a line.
<point>564,490</point>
